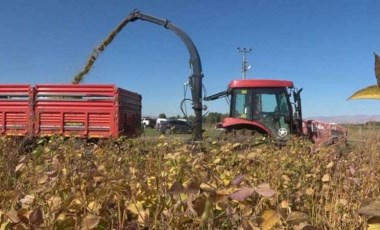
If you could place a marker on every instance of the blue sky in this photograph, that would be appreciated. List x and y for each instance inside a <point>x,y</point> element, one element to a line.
<point>324,46</point>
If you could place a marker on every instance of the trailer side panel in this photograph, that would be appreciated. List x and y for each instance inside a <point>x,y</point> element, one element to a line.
<point>78,110</point>
<point>16,110</point>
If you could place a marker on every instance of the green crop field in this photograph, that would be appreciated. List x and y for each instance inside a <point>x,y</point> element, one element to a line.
<point>167,182</point>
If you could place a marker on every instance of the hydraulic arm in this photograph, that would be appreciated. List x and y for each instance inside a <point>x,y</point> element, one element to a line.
<point>195,79</point>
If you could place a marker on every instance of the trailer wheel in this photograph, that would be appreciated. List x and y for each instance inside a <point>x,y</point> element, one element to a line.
<point>168,131</point>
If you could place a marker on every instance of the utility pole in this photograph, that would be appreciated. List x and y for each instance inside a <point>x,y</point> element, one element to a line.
<point>244,64</point>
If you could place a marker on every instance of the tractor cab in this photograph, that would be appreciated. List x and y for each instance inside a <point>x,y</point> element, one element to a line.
<point>264,106</point>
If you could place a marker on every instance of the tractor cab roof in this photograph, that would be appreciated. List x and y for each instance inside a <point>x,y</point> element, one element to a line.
<point>259,83</point>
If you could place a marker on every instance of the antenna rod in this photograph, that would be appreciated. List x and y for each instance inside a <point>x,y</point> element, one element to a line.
<point>244,64</point>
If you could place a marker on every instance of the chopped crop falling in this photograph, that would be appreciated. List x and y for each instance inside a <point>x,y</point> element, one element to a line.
<point>98,50</point>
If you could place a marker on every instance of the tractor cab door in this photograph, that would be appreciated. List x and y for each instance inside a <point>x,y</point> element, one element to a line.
<point>268,106</point>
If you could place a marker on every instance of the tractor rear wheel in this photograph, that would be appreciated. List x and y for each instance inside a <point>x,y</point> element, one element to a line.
<point>244,136</point>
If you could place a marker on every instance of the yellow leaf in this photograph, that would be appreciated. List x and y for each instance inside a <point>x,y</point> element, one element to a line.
<point>370,92</point>
<point>374,223</point>
<point>136,207</point>
<point>217,160</point>
<point>374,226</point>
<point>309,191</point>
<point>285,204</point>
<point>144,215</point>
<point>94,206</point>
<point>285,178</point>
<point>270,219</point>
<point>226,177</point>
<point>183,196</point>
<point>330,165</point>
<point>326,178</point>
<point>75,205</point>
<point>64,171</point>
<point>5,225</point>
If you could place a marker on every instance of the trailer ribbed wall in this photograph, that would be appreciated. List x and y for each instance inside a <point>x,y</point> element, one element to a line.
<point>86,110</point>
<point>16,109</point>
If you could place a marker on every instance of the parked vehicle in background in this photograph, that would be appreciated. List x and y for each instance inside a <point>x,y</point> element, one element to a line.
<point>148,122</point>
<point>187,121</point>
<point>175,126</point>
<point>159,121</point>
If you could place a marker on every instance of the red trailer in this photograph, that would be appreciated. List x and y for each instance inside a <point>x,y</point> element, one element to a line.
<point>16,110</point>
<point>84,110</point>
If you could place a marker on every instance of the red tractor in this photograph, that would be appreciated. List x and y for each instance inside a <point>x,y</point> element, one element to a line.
<point>273,108</point>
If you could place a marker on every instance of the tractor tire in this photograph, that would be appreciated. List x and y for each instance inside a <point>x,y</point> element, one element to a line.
<point>243,136</point>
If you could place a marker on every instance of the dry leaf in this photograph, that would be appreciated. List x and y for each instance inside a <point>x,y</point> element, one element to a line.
<point>176,188</point>
<point>20,167</point>
<point>265,190</point>
<point>27,200</point>
<point>43,179</point>
<point>242,194</point>
<point>136,207</point>
<point>352,170</point>
<point>54,203</point>
<point>90,221</point>
<point>284,204</point>
<point>36,217</point>
<point>330,165</point>
<point>193,187</point>
<point>247,224</point>
<point>13,216</point>
<point>94,206</point>
<point>238,180</point>
<point>326,178</point>
<point>234,146</point>
<point>296,218</point>
<point>309,191</point>
<point>372,209</point>
<point>217,160</point>
<point>270,219</point>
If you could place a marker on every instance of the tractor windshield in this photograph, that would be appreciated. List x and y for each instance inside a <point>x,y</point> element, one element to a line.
<point>269,106</point>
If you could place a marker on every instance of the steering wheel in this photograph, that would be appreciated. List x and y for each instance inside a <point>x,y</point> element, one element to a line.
<point>275,116</point>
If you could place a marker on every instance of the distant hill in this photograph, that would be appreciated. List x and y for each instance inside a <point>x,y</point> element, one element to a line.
<point>351,119</point>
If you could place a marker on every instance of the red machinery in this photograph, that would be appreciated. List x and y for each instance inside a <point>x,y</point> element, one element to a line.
<point>16,110</point>
<point>265,106</point>
<point>85,110</point>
